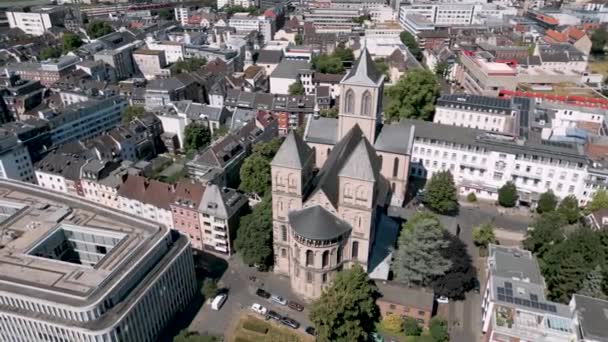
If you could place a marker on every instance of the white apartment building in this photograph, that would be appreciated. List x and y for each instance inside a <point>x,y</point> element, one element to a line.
<point>151,63</point>
<point>122,279</point>
<point>453,14</point>
<point>147,198</point>
<point>482,162</point>
<point>245,23</point>
<point>174,51</point>
<point>479,112</point>
<point>242,3</point>
<point>36,22</point>
<point>182,14</point>
<point>15,161</point>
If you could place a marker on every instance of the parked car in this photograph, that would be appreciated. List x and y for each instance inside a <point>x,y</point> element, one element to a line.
<point>274,315</point>
<point>290,322</point>
<point>278,299</point>
<point>310,331</point>
<point>295,306</point>
<point>375,337</point>
<point>443,300</point>
<point>259,309</point>
<point>476,285</point>
<point>218,301</point>
<point>262,293</point>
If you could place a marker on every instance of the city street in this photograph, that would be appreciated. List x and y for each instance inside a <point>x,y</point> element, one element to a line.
<point>241,294</point>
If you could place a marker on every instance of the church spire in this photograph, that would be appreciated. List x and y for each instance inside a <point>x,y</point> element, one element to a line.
<point>364,72</point>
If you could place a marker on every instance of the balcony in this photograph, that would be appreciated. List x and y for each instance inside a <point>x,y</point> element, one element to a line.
<point>526,326</point>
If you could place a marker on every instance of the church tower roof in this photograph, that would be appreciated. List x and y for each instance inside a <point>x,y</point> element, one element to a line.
<point>364,72</point>
<point>292,153</point>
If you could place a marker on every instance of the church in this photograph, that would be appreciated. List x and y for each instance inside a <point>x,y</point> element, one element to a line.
<point>330,189</point>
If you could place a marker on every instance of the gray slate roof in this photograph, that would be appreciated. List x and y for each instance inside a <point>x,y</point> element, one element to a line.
<point>321,130</point>
<point>290,69</point>
<point>293,153</point>
<point>476,103</point>
<point>395,139</point>
<point>362,163</point>
<point>592,316</point>
<point>221,202</point>
<point>316,223</point>
<point>270,56</point>
<point>364,72</point>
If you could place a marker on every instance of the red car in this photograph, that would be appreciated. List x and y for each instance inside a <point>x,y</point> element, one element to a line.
<point>295,306</point>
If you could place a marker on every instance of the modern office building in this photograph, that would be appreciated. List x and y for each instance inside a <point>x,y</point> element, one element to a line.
<point>37,21</point>
<point>15,161</point>
<point>74,271</point>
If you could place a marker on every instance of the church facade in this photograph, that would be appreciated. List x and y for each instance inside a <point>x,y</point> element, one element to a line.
<point>329,188</point>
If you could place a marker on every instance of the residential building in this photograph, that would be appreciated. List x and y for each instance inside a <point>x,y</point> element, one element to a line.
<point>403,301</point>
<point>102,278</point>
<point>151,63</point>
<point>120,59</point>
<point>61,172</point>
<point>514,306</point>
<point>245,23</point>
<point>102,187</point>
<point>160,92</point>
<point>598,219</point>
<point>15,162</point>
<point>289,72</point>
<point>269,59</point>
<point>37,21</point>
<point>588,316</point>
<point>34,134</point>
<point>326,220</point>
<point>47,72</point>
<point>186,200</point>
<point>182,14</point>
<point>147,198</point>
<point>220,211</point>
<point>174,51</point>
<point>19,95</point>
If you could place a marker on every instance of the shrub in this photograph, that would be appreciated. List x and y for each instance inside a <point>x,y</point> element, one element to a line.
<point>392,323</point>
<point>255,326</point>
<point>507,195</point>
<point>471,197</point>
<point>411,327</point>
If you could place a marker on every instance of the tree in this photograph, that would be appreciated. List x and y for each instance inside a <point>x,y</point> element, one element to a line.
<point>410,41</point>
<point>268,149</point>
<point>327,64</point>
<point>98,28</point>
<point>296,88</point>
<point>392,322</point>
<point>196,135</point>
<point>255,174</point>
<point>418,257</point>
<point>209,288</point>
<point>413,96</point>
<point>569,209</point>
<point>440,193</point>
<point>507,195</point>
<point>383,68</point>
<point>346,311</point>
<point>49,52</point>
<point>441,69</point>
<point>546,202</point>
<point>343,54</point>
<point>299,40</point>
<point>458,279</point>
<point>188,65</point>
<point>70,41</point>
<point>471,197</point>
<point>329,113</point>
<point>438,329</point>
<point>132,112</point>
<point>546,231</point>
<point>411,327</point>
<point>362,19</point>
<point>165,14</point>
<point>483,235</point>
<point>599,38</point>
<point>593,284</point>
<point>254,236</point>
<point>599,200</point>
<point>191,336</point>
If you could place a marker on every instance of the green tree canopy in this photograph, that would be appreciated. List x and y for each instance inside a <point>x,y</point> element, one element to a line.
<point>438,329</point>
<point>507,195</point>
<point>343,54</point>
<point>299,40</point>
<point>458,279</point>
<point>132,112</point>
<point>410,41</point>
<point>545,231</point>
<point>411,327</point>
<point>70,41</point>
<point>383,68</point>
<point>327,64</point>
<point>329,113</point>
<point>188,65</point>
<point>483,235</point>
<point>599,200</point>
<point>418,256</point>
<point>191,336</point>
<point>569,209</point>
<point>440,193</point>
<point>296,88</point>
<point>347,310</point>
<point>413,96</point>
<point>49,52</point>
<point>593,284</point>
<point>254,237</point>
<point>209,288</point>
<point>599,39</point>
<point>546,202</point>
<point>441,69</point>
<point>165,14</point>
<point>196,135</point>
<point>255,171</point>
<point>98,28</point>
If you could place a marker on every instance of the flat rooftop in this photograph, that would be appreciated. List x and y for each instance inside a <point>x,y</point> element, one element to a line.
<point>64,249</point>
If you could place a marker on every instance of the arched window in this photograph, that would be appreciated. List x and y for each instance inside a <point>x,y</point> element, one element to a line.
<point>339,255</point>
<point>284,233</point>
<point>395,167</point>
<point>309,258</point>
<point>366,104</point>
<point>349,101</point>
<point>359,221</point>
<point>393,187</point>
<point>355,249</point>
<point>325,259</point>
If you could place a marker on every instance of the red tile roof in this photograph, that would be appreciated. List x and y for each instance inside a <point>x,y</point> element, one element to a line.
<point>553,36</point>
<point>189,193</point>
<point>147,191</point>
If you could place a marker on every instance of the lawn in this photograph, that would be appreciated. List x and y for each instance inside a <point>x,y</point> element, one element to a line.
<point>401,336</point>
<point>252,329</point>
<point>599,67</point>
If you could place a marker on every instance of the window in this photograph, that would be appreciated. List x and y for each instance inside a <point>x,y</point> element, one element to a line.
<point>324,278</point>
<point>283,253</point>
<point>349,101</point>
<point>325,259</point>
<point>309,277</point>
<point>395,167</point>
<point>366,104</point>
<point>355,249</point>
<point>284,233</point>
<point>309,258</point>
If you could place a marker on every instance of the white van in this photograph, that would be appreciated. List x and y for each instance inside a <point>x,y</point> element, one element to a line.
<point>218,301</point>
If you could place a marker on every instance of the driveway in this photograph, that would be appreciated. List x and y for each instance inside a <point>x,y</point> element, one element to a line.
<point>241,294</point>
